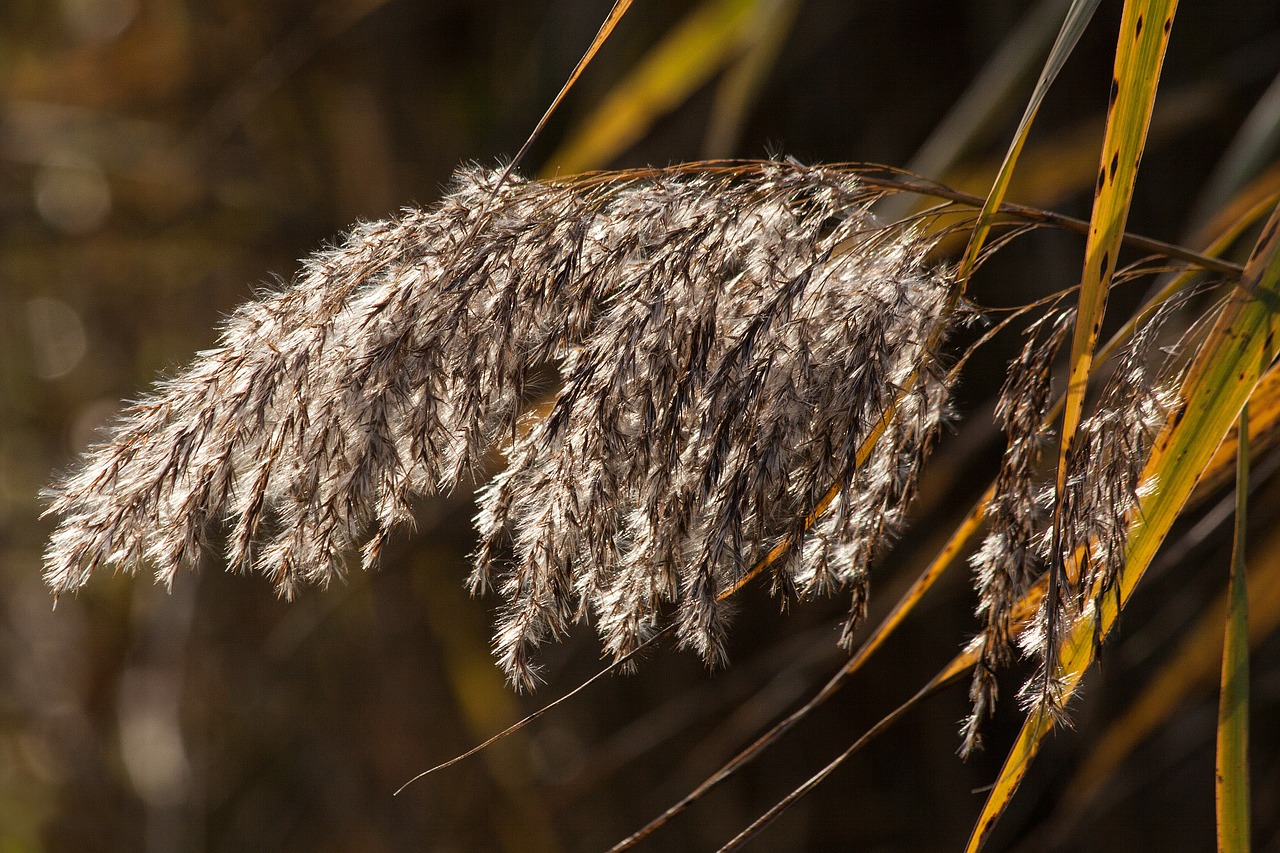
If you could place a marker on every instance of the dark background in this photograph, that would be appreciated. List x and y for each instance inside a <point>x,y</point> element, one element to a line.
<point>160,157</point>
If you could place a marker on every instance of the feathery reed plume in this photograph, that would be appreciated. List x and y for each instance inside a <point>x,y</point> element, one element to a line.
<point>1005,562</point>
<point>726,338</point>
<point>1103,491</point>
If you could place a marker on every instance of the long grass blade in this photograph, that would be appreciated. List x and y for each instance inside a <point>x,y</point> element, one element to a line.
<point>1144,36</point>
<point>1232,778</point>
<point>1241,346</point>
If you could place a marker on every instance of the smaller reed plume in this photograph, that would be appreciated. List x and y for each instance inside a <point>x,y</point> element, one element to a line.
<point>726,339</point>
<point>1097,508</point>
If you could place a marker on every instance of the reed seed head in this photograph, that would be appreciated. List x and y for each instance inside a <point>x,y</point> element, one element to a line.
<point>726,340</point>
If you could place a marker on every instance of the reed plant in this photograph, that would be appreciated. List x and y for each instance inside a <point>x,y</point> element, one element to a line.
<point>674,382</point>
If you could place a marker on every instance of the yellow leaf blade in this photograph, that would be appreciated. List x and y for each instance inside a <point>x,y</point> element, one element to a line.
<point>1232,779</point>
<point>1144,37</point>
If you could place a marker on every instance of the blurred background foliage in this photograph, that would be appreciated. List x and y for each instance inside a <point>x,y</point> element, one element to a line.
<point>159,157</point>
